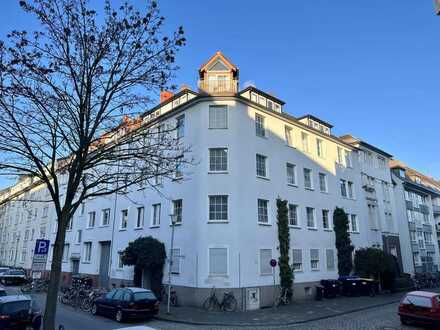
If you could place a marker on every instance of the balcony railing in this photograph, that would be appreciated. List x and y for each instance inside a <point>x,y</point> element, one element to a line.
<point>218,86</point>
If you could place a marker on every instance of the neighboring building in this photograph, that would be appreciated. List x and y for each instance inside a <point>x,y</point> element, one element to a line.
<point>417,199</point>
<point>248,152</point>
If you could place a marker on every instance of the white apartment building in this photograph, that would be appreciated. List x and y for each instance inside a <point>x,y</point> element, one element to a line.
<point>248,152</point>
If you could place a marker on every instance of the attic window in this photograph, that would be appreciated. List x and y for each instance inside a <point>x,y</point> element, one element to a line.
<point>218,66</point>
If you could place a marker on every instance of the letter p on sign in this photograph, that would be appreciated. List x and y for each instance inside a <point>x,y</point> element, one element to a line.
<point>42,246</point>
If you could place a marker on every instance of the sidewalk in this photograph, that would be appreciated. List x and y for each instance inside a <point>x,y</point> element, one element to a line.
<point>297,312</point>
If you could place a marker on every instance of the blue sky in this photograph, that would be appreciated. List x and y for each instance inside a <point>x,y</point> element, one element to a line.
<point>371,68</point>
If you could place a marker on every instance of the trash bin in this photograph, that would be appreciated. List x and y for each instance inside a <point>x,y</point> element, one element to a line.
<point>319,292</point>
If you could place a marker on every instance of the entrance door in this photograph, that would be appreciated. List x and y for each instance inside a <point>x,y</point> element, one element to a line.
<point>75,266</point>
<point>104,264</point>
<point>146,279</point>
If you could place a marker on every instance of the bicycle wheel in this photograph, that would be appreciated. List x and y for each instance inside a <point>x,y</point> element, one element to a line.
<point>26,288</point>
<point>86,305</point>
<point>210,304</point>
<point>173,300</point>
<point>230,304</point>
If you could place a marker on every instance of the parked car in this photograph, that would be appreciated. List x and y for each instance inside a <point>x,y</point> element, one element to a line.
<point>3,269</point>
<point>19,312</point>
<point>331,288</point>
<point>420,306</point>
<point>127,303</point>
<point>2,291</point>
<point>13,276</point>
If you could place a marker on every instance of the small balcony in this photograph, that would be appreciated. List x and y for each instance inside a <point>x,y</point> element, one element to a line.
<point>218,86</point>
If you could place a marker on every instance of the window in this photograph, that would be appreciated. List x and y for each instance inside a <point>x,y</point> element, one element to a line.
<point>178,171</point>
<point>87,251</point>
<point>330,258</point>
<point>43,232</point>
<point>350,189</point>
<point>340,161</point>
<point>92,217</point>
<point>105,219</point>
<point>322,182</point>
<point>293,215</point>
<point>288,135</point>
<point>353,223</point>
<point>218,159</point>
<point>218,208</point>
<point>156,215</point>
<point>180,126</point>
<point>218,261</point>
<point>305,141</point>
<point>262,211</point>
<point>140,217</point>
<point>310,212</point>
<point>259,126</point>
<point>314,259</point>
<point>78,236</point>
<point>265,257</point>
<point>23,255</point>
<point>124,219</point>
<point>348,162</point>
<point>412,235</point>
<point>26,234</point>
<point>308,178</point>
<point>381,162</point>
<point>45,211</point>
<point>120,263</point>
<point>291,174</point>
<point>218,116</point>
<point>297,260</point>
<point>385,191</point>
<point>82,208</point>
<point>325,219</point>
<point>66,252</point>
<point>175,261</point>
<point>177,210</point>
<point>261,166</point>
<point>343,184</point>
<point>320,148</point>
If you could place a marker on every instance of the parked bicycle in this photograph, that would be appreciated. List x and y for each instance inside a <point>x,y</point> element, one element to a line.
<point>228,303</point>
<point>284,297</point>
<point>173,296</point>
<point>36,285</point>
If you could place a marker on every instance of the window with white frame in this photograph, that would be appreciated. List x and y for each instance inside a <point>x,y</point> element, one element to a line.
<point>340,158</point>
<point>140,217</point>
<point>348,160</point>
<point>218,159</point>
<point>310,213</point>
<point>291,174</point>
<point>124,219</point>
<point>343,185</point>
<point>412,235</point>
<point>218,261</point>
<point>320,148</point>
<point>261,165</point>
<point>87,252</point>
<point>260,129</point>
<point>330,259</point>
<point>293,215</point>
<point>218,208</point>
<point>178,171</point>
<point>263,216</point>
<point>91,220</point>
<point>218,116</point>
<point>156,215</point>
<point>120,263</point>
<point>42,232</point>
<point>350,189</point>
<point>385,191</point>
<point>323,182</point>
<point>177,210</point>
<point>381,161</point>
<point>288,132</point>
<point>325,219</point>
<point>297,263</point>
<point>265,257</point>
<point>105,218</point>
<point>180,126</point>
<point>45,211</point>
<point>305,141</point>
<point>308,182</point>
<point>353,223</point>
<point>314,259</point>
<point>175,261</point>
<point>66,252</point>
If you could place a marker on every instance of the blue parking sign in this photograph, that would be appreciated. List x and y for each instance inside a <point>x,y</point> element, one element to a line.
<point>42,246</point>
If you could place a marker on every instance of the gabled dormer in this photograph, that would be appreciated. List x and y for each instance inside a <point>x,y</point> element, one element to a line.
<point>218,76</point>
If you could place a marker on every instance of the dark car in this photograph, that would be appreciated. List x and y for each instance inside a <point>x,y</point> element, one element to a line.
<point>19,312</point>
<point>420,306</point>
<point>127,303</point>
<point>13,276</point>
<point>2,291</point>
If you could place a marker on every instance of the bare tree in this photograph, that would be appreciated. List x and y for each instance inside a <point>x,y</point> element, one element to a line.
<point>64,91</point>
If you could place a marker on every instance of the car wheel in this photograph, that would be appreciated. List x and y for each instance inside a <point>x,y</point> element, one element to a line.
<point>94,309</point>
<point>119,317</point>
<point>404,320</point>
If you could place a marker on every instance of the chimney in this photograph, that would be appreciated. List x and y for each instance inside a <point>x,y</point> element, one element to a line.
<point>165,95</point>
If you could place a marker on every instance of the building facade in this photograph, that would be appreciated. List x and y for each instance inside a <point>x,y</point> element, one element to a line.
<point>248,152</point>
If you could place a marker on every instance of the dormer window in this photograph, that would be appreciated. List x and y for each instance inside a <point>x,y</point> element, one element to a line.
<point>218,76</point>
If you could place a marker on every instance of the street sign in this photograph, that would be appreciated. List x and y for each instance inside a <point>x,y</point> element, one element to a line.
<point>273,263</point>
<point>40,255</point>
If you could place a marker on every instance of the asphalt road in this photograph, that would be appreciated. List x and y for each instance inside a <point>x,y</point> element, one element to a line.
<point>381,318</point>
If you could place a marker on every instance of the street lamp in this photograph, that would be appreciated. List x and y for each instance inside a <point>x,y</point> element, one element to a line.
<point>170,259</point>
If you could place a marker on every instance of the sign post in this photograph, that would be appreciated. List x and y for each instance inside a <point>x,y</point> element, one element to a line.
<point>40,257</point>
<point>273,264</point>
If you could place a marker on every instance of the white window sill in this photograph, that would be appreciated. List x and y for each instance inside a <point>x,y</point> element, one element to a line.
<point>263,177</point>
<point>297,270</point>
<point>86,262</point>
<point>328,229</point>
<point>312,228</point>
<point>87,228</point>
<point>178,179</point>
<point>264,224</point>
<point>218,172</point>
<point>294,227</point>
<point>355,232</point>
<point>315,270</point>
<point>324,192</point>
<point>176,224</point>
<point>122,229</point>
<point>138,228</point>
<point>292,185</point>
<point>155,226</point>
<point>104,226</point>
<point>218,221</point>
<point>307,188</point>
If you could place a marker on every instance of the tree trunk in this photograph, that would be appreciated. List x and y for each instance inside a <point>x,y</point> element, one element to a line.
<point>55,274</point>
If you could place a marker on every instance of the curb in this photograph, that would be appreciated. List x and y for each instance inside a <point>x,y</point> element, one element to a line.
<point>273,324</point>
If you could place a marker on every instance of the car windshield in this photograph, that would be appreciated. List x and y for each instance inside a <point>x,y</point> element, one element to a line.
<point>14,307</point>
<point>144,295</point>
<point>16,272</point>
